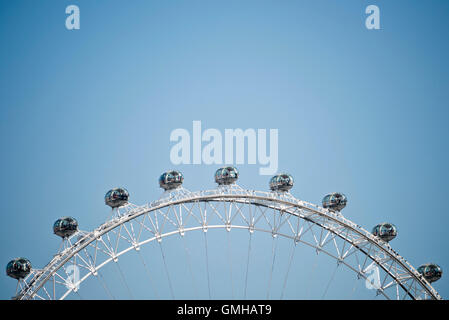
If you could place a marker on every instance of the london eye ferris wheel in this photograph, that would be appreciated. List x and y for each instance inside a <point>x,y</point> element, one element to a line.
<point>277,214</point>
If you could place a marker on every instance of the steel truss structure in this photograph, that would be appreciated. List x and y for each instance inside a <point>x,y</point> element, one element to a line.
<point>227,207</point>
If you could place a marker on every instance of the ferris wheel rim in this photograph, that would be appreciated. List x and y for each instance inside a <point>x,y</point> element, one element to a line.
<point>212,227</point>
<point>218,196</point>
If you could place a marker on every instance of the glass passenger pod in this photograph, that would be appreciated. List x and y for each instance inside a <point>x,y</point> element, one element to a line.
<point>18,268</point>
<point>65,227</point>
<point>281,182</point>
<point>431,272</point>
<point>171,180</point>
<point>116,197</point>
<point>226,175</point>
<point>334,201</point>
<point>385,231</point>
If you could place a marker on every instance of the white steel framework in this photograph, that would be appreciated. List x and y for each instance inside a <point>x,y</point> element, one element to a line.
<point>227,207</point>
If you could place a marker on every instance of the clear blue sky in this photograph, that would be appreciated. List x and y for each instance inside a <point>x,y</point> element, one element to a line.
<point>360,111</point>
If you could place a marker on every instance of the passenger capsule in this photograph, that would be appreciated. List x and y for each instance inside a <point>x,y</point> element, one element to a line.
<point>18,268</point>
<point>116,197</point>
<point>226,175</point>
<point>170,180</point>
<point>335,201</point>
<point>385,231</point>
<point>65,227</point>
<point>281,182</point>
<point>431,272</point>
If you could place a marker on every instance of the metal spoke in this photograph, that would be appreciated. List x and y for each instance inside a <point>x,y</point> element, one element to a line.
<point>247,263</point>
<point>309,278</point>
<point>188,259</point>
<point>104,285</point>
<point>330,281</point>
<point>356,281</point>
<point>288,269</point>
<point>207,264</point>
<point>274,247</point>
<point>230,264</point>
<point>166,271</point>
<point>122,276</point>
<point>153,287</point>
